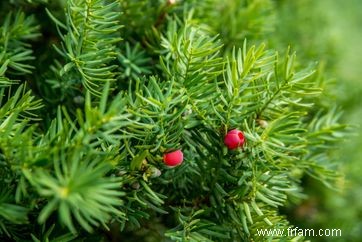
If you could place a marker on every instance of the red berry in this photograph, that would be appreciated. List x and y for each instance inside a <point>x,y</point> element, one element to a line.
<point>174,158</point>
<point>234,139</point>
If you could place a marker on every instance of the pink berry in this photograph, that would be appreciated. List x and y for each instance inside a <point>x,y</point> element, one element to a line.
<point>234,139</point>
<point>174,158</point>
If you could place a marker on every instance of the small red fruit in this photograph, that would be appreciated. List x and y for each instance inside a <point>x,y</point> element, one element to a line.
<point>174,158</point>
<point>234,139</point>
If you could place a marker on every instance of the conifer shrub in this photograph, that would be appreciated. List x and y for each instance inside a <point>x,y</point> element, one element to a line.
<point>116,119</point>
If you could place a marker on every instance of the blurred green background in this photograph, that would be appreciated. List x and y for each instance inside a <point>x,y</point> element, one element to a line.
<point>331,31</point>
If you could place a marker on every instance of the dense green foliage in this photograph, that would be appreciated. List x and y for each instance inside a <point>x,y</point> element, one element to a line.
<point>94,92</point>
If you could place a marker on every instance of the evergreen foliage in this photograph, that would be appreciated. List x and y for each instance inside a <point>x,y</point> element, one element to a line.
<point>83,132</point>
